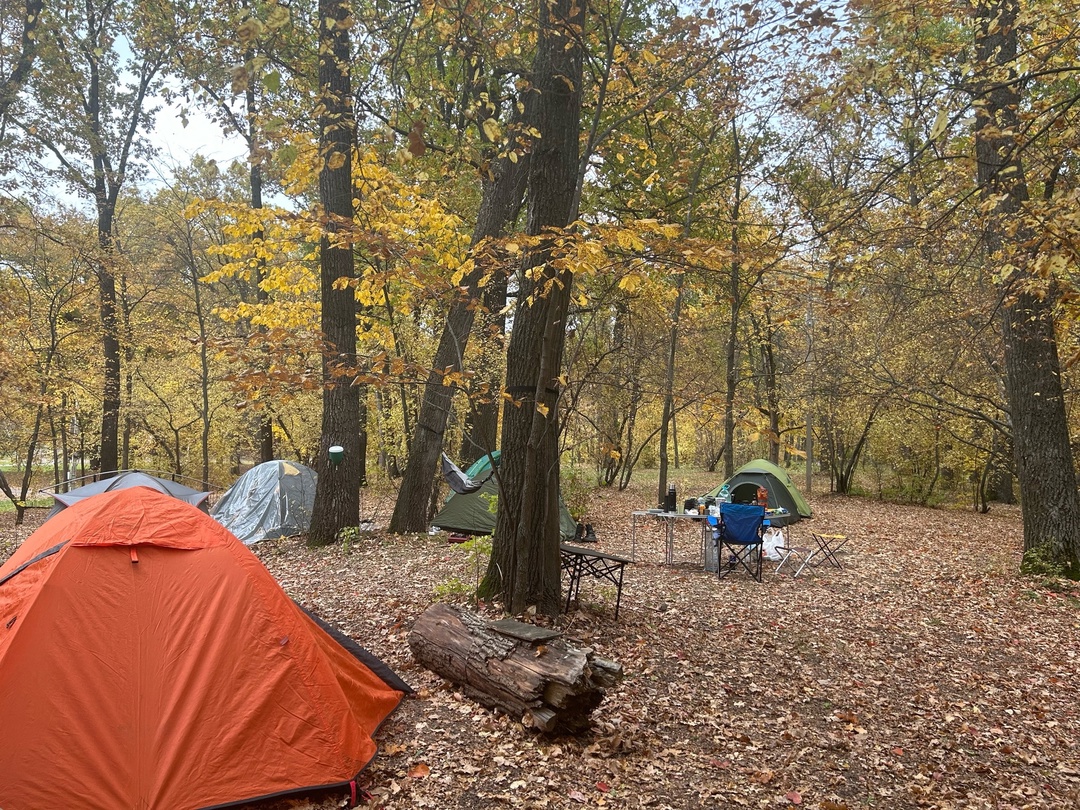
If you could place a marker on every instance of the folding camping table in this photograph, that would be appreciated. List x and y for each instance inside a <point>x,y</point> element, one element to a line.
<point>578,561</point>
<point>669,519</point>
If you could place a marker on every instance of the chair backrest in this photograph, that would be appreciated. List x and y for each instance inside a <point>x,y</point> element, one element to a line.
<point>741,522</point>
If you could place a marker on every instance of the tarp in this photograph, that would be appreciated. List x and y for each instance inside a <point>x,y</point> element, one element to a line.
<point>148,659</point>
<point>124,480</point>
<point>744,482</point>
<point>272,499</point>
<point>470,513</point>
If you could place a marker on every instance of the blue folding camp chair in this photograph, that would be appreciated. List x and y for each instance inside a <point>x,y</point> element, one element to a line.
<point>738,534</point>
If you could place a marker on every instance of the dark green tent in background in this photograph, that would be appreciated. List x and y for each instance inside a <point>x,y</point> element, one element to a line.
<point>469,513</point>
<point>744,482</point>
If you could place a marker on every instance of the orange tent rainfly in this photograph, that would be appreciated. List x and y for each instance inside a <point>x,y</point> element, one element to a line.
<point>149,660</point>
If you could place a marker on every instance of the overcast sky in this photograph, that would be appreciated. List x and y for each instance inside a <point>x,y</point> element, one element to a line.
<point>201,136</point>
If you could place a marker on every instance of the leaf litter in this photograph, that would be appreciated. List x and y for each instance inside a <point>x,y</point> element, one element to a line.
<point>925,673</point>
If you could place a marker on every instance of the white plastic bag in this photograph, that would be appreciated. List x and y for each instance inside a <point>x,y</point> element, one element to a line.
<point>773,537</point>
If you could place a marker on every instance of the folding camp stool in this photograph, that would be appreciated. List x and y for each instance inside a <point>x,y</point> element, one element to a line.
<point>827,546</point>
<point>800,555</point>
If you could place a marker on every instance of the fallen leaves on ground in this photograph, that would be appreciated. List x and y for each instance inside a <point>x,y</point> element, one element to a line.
<point>925,673</point>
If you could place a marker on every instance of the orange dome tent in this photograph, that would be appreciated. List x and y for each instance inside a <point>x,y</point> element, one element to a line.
<point>149,660</point>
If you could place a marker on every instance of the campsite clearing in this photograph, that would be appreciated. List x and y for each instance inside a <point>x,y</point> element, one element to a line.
<point>925,673</point>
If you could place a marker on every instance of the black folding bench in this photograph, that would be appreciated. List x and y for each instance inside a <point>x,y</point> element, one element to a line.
<point>578,561</point>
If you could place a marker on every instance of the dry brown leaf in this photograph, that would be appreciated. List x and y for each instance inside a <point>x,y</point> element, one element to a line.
<point>897,635</point>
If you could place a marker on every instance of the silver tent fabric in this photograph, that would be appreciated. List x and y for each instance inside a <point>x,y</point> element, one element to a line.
<point>273,499</point>
<point>125,479</point>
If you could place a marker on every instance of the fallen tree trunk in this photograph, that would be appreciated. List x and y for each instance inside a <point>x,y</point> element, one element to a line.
<point>523,670</point>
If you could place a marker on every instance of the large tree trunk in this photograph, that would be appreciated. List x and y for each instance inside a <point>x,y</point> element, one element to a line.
<point>520,669</point>
<point>1044,463</point>
<point>109,452</point>
<point>502,198</point>
<point>337,495</point>
<point>524,566</point>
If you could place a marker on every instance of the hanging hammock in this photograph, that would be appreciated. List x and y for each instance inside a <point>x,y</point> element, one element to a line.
<point>459,481</point>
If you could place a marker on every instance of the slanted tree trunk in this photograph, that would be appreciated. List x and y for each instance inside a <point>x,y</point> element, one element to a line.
<point>502,198</point>
<point>482,422</point>
<point>1041,445</point>
<point>12,83</point>
<point>337,495</point>
<point>19,505</point>
<point>520,669</point>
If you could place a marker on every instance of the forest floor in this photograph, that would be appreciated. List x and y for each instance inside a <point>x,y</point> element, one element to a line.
<point>925,673</point>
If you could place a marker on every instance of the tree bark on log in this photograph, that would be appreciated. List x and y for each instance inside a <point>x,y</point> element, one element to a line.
<point>525,671</point>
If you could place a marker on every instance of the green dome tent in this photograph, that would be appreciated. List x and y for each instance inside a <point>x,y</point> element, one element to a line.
<point>469,512</point>
<point>761,473</point>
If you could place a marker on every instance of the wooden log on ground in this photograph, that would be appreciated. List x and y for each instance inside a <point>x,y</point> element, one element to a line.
<point>523,670</point>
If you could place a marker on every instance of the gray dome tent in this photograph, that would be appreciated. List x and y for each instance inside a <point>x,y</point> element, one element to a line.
<point>125,479</point>
<point>273,499</point>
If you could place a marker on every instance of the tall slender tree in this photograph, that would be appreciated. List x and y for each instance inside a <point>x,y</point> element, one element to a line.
<point>337,496</point>
<point>88,108</point>
<point>244,57</point>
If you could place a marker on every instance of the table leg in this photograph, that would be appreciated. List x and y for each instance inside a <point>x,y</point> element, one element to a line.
<point>618,592</point>
<point>574,586</point>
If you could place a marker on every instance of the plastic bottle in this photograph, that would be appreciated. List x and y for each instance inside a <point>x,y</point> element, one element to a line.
<point>725,494</point>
